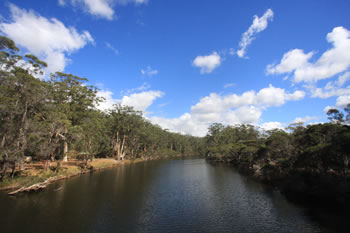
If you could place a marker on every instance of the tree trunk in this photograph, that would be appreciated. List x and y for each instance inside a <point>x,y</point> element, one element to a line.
<point>3,140</point>
<point>122,149</point>
<point>65,147</point>
<point>21,143</point>
<point>90,145</point>
<point>65,152</point>
<point>118,146</point>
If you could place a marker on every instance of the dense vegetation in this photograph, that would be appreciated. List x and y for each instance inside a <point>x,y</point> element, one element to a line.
<point>57,118</point>
<point>311,162</point>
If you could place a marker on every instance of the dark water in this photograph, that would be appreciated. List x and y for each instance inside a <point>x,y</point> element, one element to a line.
<point>158,196</point>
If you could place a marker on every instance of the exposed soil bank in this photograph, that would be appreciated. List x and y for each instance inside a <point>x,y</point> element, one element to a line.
<point>34,177</point>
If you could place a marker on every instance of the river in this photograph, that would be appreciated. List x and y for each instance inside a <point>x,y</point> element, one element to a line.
<point>159,196</point>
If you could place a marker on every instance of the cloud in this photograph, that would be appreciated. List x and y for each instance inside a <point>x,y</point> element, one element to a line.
<point>197,124</point>
<point>185,124</point>
<point>304,119</point>
<point>100,8</point>
<point>272,125</point>
<point>61,2</point>
<point>145,86</point>
<point>230,109</point>
<point>207,63</point>
<point>111,47</point>
<point>324,93</point>
<point>343,101</point>
<point>108,101</point>
<point>332,62</point>
<point>259,24</point>
<point>149,71</point>
<point>290,61</point>
<point>141,101</point>
<point>266,97</point>
<point>49,39</point>
<point>332,88</point>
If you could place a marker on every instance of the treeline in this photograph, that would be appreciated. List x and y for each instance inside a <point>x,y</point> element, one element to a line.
<point>310,163</point>
<point>57,118</point>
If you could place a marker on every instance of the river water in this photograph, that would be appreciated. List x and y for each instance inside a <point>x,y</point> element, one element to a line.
<point>159,196</point>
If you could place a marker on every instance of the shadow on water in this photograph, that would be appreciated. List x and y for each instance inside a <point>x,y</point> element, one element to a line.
<point>162,196</point>
<point>329,218</point>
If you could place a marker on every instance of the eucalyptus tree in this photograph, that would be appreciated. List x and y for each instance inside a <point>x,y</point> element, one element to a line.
<point>21,97</point>
<point>124,121</point>
<point>72,100</point>
<point>337,116</point>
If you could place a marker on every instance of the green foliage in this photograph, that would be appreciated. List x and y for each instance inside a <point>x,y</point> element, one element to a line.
<point>319,149</point>
<point>58,118</point>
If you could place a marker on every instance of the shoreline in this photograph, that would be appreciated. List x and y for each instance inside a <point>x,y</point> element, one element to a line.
<point>35,179</point>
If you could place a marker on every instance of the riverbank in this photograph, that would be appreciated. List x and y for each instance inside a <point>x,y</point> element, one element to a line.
<point>35,177</point>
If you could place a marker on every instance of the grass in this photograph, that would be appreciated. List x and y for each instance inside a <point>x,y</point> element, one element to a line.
<point>36,174</point>
<point>26,178</point>
<point>104,163</point>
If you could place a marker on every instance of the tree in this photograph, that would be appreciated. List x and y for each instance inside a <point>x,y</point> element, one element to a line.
<point>73,101</point>
<point>335,116</point>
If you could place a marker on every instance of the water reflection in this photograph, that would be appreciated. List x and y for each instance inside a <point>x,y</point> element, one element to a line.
<point>159,196</point>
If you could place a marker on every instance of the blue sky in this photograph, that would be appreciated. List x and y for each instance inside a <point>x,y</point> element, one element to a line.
<point>188,64</point>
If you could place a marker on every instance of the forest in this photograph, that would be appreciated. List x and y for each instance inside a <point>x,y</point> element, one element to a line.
<point>57,118</point>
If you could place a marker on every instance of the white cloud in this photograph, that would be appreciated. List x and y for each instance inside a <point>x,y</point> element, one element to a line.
<point>327,108</point>
<point>342,79</point>
<point>111,47</point>
<point>49,39</point>
<point>141,101</point>
<point>61,2</point>
<point>100,8</point>
<point>185,124</point>
<point>343,101</point>
<point>108,101</point>
<point>266,97</point>
<point>290,61</point>
<point>305,119</point>
<point>332,88</point>
<point>332,62</point>
<point>258,25</point>
<point>207,63</point>
<point>230,109</point>
<point>272,125</point>
<point>324,93</point>
<point>145,86</point>
<point>197,124</point>
<point>149,71</point>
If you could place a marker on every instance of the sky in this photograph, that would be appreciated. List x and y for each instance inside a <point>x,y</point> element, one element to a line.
<point>189,64</point>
